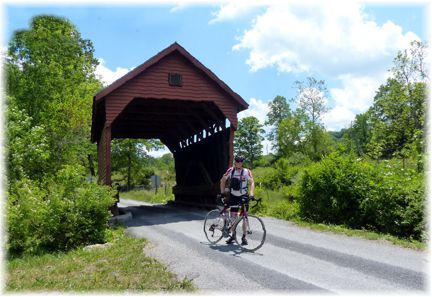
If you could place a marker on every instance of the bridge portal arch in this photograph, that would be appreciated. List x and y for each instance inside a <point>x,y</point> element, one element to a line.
<point>175,98</point>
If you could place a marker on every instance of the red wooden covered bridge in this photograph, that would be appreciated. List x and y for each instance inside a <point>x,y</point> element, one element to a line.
<point>174,98</point>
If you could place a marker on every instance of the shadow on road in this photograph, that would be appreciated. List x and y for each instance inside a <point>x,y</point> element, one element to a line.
<point>148,215</point>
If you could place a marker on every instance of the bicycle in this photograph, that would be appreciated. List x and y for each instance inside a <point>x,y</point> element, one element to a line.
<point>217,225</point>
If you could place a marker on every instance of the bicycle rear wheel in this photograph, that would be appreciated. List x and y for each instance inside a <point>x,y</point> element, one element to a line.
<point>214,224</point>
<point>255,232</point>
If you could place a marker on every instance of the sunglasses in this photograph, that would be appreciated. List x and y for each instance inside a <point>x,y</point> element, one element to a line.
<point>239,161</point>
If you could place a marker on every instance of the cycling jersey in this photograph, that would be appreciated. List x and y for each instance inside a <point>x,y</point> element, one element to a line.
<point>244,175</point>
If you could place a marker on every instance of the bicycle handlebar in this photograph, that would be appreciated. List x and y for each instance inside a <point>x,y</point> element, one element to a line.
<point>244,201</point>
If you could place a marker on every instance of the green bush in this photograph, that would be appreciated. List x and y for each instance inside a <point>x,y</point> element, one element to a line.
<point>345,191</point>
<point>396,202</point>
<point>266,177</point>
<point>332,191</point>
<point>62,213</point>
<point>286,210</point>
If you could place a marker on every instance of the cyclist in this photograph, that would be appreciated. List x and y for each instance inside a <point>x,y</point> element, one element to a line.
<point>239,179</point>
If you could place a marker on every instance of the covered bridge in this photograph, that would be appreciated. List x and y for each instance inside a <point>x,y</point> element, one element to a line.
<point>174,98</point>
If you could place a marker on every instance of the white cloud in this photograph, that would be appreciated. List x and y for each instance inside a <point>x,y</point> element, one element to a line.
<point>234,9</point>
<point>334,39</point>
<point>3,52</point>
<point>106,75</point>
<point>355,96</point>
<point>257,108</point>
<point>329,37</point>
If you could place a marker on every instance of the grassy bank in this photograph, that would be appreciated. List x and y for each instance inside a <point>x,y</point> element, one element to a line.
<point>276,205</point>
<point>148,196</point>
<point>122,267</point>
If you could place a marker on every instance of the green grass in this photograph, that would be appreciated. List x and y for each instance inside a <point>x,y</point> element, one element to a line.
<point>413,244</point>
<point>275,205</point>
<point>148,196</point>
<point>123,267</point>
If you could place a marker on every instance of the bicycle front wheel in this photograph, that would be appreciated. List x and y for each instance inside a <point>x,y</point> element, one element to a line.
<point>214,224</point>
<point>254,229</point>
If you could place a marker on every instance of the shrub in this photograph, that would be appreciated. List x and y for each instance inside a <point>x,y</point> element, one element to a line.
<point>385,198</point>
<point>266,177</point>
<point>62,213</point>
<point>332,190</point>
<point>285,210</point>
<point>395,203</point>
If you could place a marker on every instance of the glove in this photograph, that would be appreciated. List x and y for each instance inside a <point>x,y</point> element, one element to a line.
<point>221,195</point>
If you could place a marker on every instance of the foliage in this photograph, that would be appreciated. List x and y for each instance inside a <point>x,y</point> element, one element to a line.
<point>162,196</point>
<point>129,158</point>
<point>396,202</point>
<point>278,110</point>
<point>359,194</point>
<point>291,134</point>
<point>26,144</point>
<point>62,213</point>
<point>124,266</point>
<point>265,160</point>
<point>311,98</point>
<point>394,125</point>
<point>50,73</point>
<point>248,138</point>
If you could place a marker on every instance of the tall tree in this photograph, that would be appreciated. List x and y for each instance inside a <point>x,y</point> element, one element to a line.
<point>248,138</point>
<point>50,72</point>
<point>398,111</point>
<point>360,132</point>
<point>291,134</point>
<point>279,110</point>
<point>311,99</point>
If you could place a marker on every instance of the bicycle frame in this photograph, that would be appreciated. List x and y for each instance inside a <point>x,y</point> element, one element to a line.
<point>242,212</point>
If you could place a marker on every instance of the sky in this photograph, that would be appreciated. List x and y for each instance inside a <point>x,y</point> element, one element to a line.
<point>258,48</point>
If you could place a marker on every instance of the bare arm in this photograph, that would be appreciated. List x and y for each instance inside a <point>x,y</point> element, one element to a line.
<point>252,187</point>
<point>222,183</point>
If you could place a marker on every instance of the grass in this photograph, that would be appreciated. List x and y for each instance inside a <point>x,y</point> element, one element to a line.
<point>148,196</point>
<point>123,267</point>
<point>406,243</point>
<point>275,205</point>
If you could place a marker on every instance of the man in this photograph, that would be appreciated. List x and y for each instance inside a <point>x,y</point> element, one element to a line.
<point>239,179</point>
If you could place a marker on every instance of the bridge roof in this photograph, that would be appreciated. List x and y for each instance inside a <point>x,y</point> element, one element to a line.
<point>142,103</point>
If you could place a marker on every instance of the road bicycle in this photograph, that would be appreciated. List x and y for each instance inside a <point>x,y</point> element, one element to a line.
<point>218,223</point>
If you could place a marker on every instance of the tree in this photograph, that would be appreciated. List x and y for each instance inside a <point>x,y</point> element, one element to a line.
<point>360,133</point>
<point>50,72</point>
<point>129,158</point>
<point>26,145</point>
<point>397,115</point>
<point>311,99</point>
<point>248,139</point>
<point>279,110</point>
<point>291,134</point>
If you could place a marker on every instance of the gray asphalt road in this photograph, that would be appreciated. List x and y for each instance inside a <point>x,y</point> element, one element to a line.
<point>293,259</point>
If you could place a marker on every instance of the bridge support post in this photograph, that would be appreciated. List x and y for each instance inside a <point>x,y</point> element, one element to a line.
<point>104,162</point>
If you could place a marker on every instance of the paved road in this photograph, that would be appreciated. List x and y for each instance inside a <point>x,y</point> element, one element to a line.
<point>293,259</point>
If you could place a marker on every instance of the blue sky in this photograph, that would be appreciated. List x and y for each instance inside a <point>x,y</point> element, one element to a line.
<point>258,50</point>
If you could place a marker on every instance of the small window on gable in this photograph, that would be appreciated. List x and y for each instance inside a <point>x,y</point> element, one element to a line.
<point>175,79</point>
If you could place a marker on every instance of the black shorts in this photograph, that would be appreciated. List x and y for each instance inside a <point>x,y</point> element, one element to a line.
<point>236,200</point>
